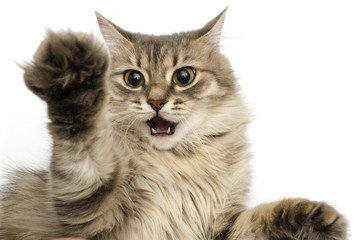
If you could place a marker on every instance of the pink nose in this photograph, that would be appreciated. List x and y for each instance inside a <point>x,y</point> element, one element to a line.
<point>157,104</point>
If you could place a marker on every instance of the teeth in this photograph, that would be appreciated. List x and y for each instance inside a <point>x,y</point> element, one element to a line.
<point>153,131</point>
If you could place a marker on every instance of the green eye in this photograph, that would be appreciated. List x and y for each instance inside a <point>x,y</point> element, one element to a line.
<point>184,76</point>
<point>134,79</point>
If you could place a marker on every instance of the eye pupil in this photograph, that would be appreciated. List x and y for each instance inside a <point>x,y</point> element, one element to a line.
<point>184,76</point>
<point>134,78</point>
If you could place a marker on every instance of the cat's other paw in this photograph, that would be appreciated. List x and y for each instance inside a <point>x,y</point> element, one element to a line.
<point>303,219</point>
<point>68,72</point>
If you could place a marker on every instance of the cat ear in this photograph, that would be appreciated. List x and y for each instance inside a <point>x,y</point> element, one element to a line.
<point>114,36</point>
<point>211,32</point>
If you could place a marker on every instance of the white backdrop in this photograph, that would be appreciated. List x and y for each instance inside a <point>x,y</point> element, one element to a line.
<point>297,61</point>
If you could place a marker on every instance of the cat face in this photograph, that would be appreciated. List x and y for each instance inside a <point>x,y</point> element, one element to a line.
<point>168,90</point>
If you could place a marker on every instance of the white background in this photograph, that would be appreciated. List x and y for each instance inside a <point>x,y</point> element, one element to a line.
<point>298,63</point>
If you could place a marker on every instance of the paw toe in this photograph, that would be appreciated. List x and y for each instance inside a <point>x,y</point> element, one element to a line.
<point>323,216</point>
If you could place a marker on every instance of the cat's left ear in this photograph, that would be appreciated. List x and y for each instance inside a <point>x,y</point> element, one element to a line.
<point>211,33</point>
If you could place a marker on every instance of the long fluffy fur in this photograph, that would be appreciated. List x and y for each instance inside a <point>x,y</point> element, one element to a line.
<point>110,179</point>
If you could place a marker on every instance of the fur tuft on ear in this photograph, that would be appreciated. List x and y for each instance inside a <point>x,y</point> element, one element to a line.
<point>211,32</point>
<point>114,36</point>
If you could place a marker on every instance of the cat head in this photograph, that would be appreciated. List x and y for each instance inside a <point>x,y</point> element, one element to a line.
<point>170,91</point>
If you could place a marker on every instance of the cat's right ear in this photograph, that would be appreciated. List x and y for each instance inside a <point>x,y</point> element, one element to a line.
<point>114,36</point>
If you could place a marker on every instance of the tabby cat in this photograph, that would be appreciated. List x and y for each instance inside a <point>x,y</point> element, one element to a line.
<point>148,143</point>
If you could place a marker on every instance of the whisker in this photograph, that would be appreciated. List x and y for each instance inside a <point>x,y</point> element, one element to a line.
<point>118,120</point>
<point>126,132</point>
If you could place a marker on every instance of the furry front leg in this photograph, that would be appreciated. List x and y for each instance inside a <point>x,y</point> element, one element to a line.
<point>293,219</point>
<point>69,72</point>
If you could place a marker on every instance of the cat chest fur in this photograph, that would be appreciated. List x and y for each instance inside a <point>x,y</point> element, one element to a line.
<point>172,198</point>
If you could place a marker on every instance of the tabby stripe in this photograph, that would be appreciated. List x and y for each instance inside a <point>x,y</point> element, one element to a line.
<point>139,62</point>
<point>175,60</point>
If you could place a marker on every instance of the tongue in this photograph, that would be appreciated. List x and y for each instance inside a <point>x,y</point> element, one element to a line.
<point>161,124</point>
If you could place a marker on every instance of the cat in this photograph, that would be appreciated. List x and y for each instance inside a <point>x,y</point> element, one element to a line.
<point>148,143</point>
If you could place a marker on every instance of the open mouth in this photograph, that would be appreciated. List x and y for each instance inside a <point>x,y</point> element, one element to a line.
<point>161,126</point>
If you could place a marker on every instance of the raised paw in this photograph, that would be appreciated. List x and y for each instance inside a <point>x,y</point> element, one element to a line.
<point>303,219</point>
<point>68,72</point>
<point>65,63</point>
